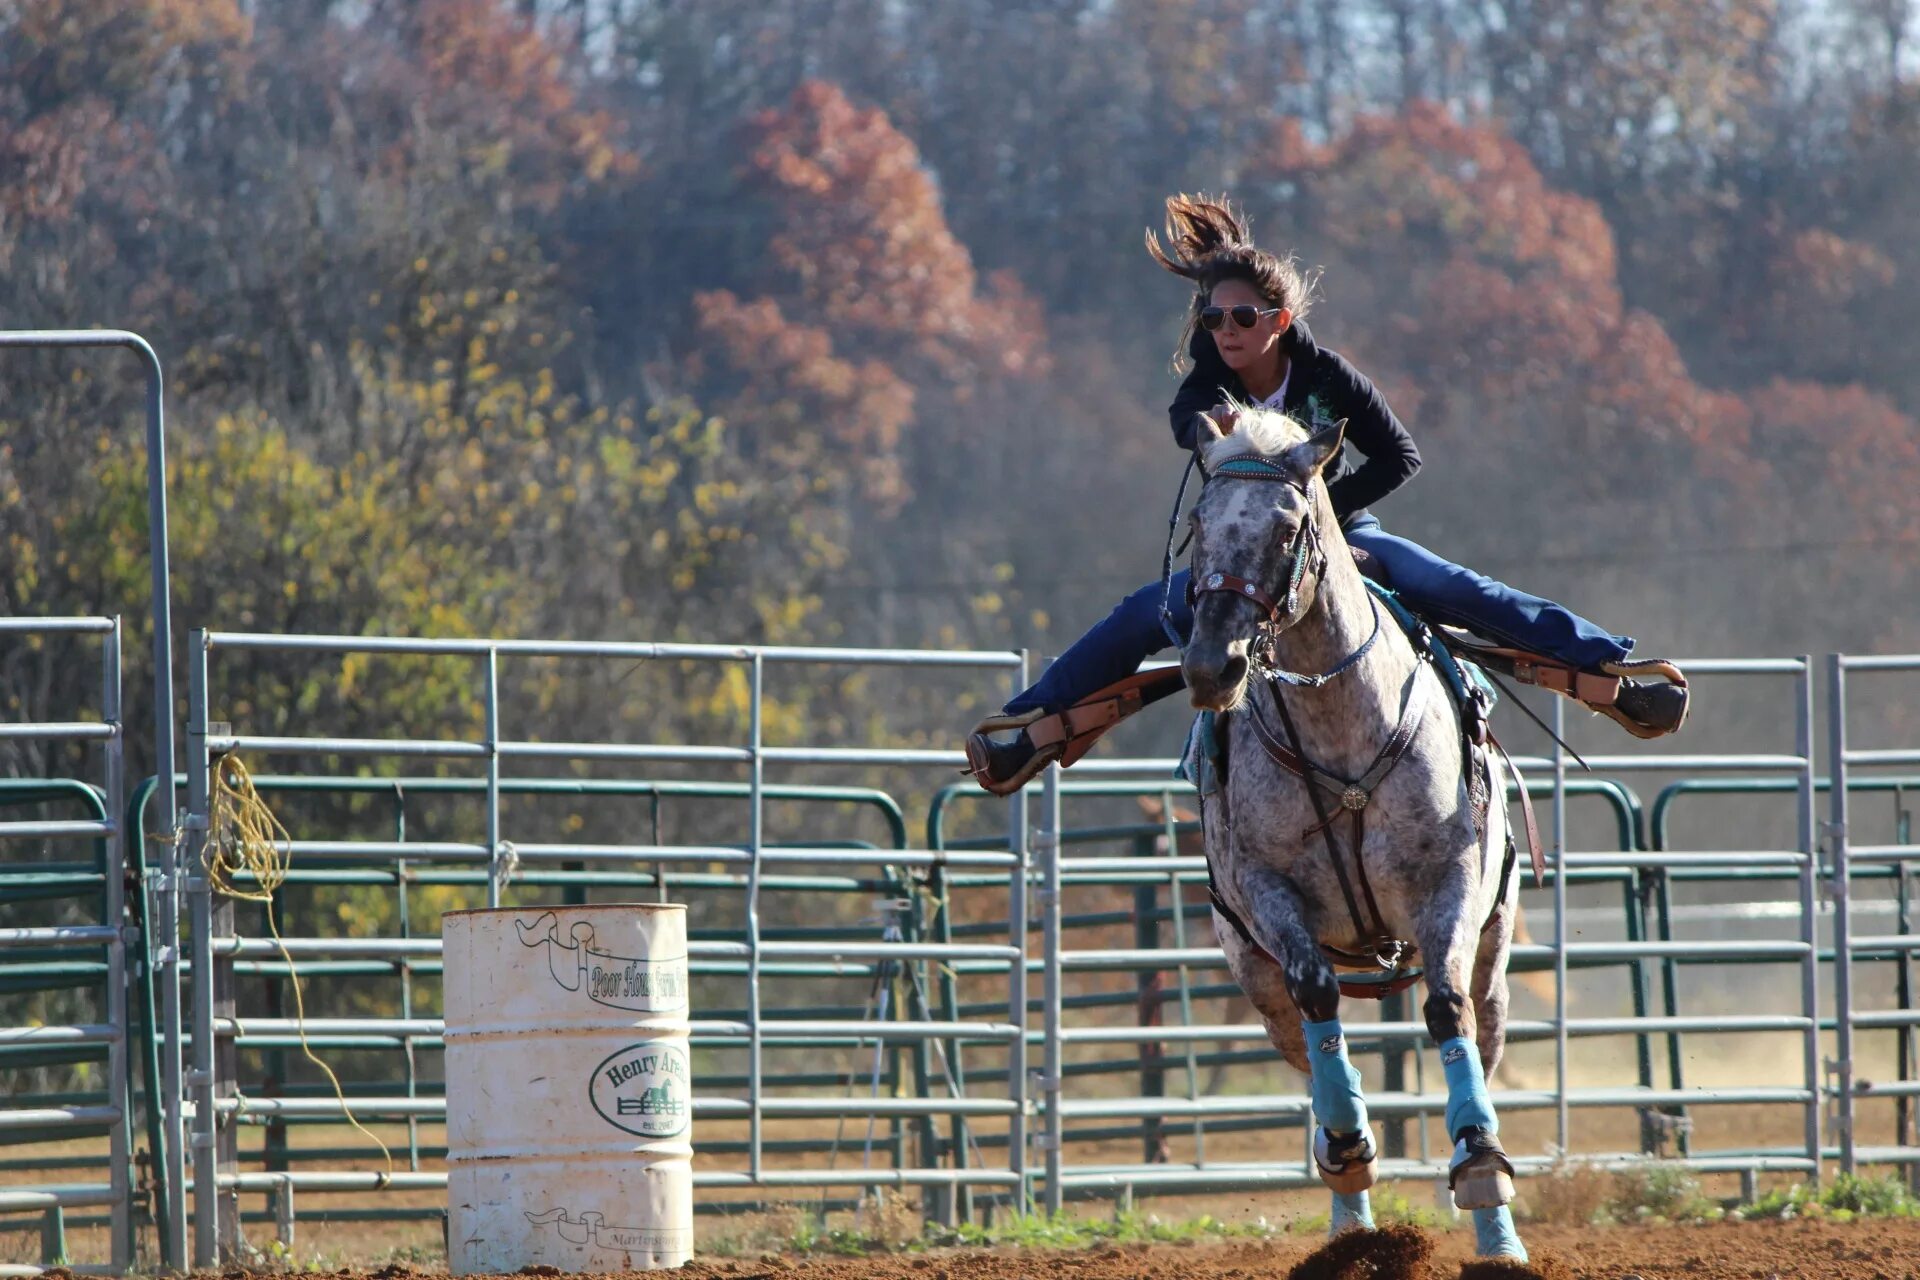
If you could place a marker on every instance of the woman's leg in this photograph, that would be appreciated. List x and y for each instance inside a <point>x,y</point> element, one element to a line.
<point>1111,651</point>
<point>1457,596</point>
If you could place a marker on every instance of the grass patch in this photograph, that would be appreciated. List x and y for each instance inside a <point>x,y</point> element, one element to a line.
<point>1037,1231</point>
<point>1849,1196</point>
<point>1656,1193</point>
<point>888,1226</point>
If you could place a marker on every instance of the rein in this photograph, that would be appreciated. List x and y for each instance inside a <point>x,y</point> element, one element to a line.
<point>1166,561</point>
<point>1386,952</point>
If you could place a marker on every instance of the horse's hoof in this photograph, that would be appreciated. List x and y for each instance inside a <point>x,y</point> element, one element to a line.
<point>1481,1175</point>
<point>1345,1161</point>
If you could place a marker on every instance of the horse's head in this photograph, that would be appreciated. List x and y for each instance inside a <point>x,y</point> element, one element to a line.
<point>1257,561</point>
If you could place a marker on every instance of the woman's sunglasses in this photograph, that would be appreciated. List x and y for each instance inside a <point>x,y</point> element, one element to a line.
<point>1212,318</point>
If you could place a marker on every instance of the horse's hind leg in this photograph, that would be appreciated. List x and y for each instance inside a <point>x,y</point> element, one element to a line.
<point>1343,1148</point>
<point>1480,1174</point>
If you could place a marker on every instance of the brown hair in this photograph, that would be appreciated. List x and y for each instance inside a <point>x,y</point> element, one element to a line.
<point>1211,244</point>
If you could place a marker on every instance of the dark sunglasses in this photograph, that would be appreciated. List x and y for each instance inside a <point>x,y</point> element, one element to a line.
<point>1211,318</point>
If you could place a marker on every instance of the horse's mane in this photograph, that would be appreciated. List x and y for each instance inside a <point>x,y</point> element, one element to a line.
<point>1257,432</point>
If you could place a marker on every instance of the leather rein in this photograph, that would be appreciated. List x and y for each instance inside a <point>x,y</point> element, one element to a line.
<point>1386,952</point>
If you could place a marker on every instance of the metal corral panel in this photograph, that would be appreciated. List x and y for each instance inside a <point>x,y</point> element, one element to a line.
<point>569,1101</point>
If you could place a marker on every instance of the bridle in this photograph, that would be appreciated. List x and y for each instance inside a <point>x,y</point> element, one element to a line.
<point>1353,795</point>
<point>1307,553</point>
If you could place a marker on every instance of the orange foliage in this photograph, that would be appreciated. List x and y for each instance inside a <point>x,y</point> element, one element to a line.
<point>864,263</point>
<point>488,68</point>
<point>83,86</point>
<point>792,395</point>
<point>1840,456</point>
<point>1500,298</point>
<point>59,50</point>
<point>863,237</point>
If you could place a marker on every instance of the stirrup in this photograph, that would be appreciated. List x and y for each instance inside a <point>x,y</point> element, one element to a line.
<point>980,751</point>
<point>1066,735</point>
<point>1626,671</point>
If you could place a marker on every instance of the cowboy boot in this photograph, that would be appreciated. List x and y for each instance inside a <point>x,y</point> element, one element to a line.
<point>1646,709</point>
<point>1002,768</point>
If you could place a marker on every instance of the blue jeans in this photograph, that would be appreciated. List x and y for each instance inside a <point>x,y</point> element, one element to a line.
<point>1432,587</point>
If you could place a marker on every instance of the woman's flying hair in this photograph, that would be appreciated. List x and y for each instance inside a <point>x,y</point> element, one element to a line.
<point>1208,242</point>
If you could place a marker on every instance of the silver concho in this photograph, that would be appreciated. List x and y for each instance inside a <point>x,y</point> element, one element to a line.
<point>1354,798</point>
<point>1215,580</point>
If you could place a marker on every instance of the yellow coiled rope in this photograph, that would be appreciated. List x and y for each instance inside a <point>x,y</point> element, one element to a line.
<point>244,838</point>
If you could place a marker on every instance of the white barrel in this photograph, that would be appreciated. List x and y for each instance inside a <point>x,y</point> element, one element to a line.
<point>569,1096</point>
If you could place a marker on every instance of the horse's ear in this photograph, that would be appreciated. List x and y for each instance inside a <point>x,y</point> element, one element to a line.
<point>1213,429</point>
<point>1318,449</point>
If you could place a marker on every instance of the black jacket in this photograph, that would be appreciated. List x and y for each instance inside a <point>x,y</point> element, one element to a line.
<point>1322,388</point>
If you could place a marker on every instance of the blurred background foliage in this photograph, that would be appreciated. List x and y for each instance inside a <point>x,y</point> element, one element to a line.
<point>828,321</point>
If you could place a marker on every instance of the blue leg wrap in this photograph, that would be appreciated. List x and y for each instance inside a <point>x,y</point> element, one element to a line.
<point>1467,1103</point>
<point>1351,1211</point>
<point>1494,1230</point>
<point>1337,1103</point>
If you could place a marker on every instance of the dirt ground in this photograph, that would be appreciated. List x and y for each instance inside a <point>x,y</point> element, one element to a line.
<point>1802,1250</point>
<point>1757,1251</point>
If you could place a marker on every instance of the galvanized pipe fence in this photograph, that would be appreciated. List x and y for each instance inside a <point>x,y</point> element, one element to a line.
<point>214,1107</point>
<point>978,1100</point>
<point>1850,859</point>
<point>60,953</point>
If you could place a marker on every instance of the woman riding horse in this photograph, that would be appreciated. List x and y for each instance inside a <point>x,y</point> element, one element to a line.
<point>1250,346</point>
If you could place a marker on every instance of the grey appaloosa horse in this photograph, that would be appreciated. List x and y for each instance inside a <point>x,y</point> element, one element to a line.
<point>1353,829</point>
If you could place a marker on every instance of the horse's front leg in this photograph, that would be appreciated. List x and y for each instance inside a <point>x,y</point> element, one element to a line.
<point>1343,1148</point>
<point>1480,1173</point>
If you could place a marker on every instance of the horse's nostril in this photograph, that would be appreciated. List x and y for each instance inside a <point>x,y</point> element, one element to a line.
<point>1235,671</point>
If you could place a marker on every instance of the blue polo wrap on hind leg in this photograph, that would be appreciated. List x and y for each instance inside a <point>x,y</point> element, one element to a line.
<point>1495,1236</point>
<point>1468,1106</point>
<point>1337,1103</point>
<point>1351,1211</point>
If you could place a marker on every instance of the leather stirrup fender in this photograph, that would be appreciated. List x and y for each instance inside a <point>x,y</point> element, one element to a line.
<point>1084,723</point>
<point>1592,688</point>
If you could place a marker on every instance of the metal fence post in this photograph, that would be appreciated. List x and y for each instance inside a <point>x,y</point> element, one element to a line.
<point>1809,907</point>
<point>496,859</point>
<point>1842,908</point>
<point>206,1196</point>
<point>121,1136</point>
<point>1017,838</point>
<point>756,837</point>
<point>1562,1121</point>
<point>165,952</point>
<point>1053,1065</point>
